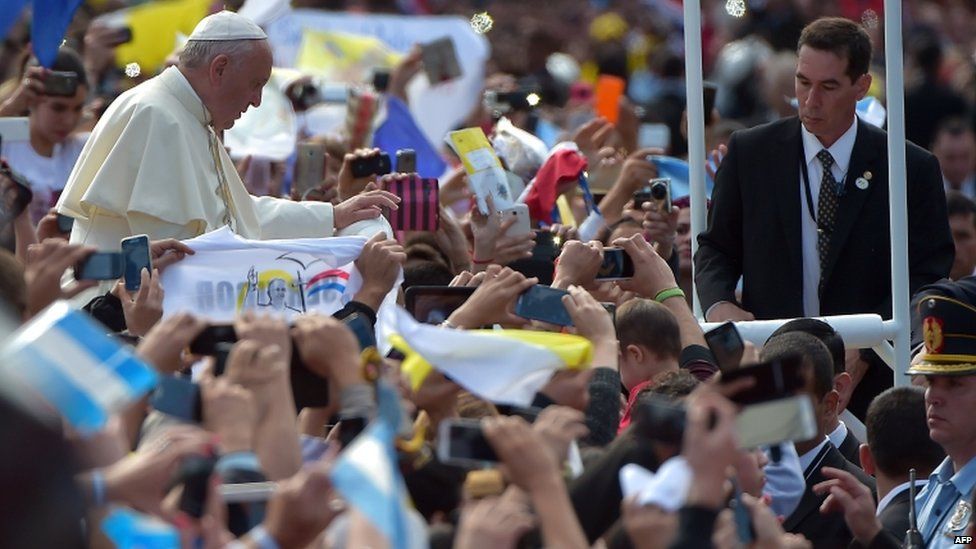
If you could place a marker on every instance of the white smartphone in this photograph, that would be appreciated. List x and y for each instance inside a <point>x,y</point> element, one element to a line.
<point>522,225</point>
<point>654,135</point>
<point>775,421</point>
<point>14,128</point>
<point>461,442</point>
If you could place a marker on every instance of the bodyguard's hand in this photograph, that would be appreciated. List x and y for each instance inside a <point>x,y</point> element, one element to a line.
<point>849,496</point>
<point>727,311</point>
<point>368,205</point>
<point>164,343</point>
<point>46,264</point>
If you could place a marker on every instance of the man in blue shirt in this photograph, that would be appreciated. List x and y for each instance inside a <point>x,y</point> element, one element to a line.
<point>948,366</point>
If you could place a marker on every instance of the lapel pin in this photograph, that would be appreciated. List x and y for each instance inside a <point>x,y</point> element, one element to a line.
<point>868,175</point>
<point>861,183</point>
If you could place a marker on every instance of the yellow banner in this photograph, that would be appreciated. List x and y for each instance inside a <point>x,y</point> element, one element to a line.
<point>154,28</point>
<point>342,56</point>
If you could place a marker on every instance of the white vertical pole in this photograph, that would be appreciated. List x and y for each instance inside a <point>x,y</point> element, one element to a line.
<point>696,125</point>
<point>897,193</point>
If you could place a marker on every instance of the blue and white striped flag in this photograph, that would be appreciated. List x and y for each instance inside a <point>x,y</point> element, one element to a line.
<point>367,474</point>
<point>70,361</point>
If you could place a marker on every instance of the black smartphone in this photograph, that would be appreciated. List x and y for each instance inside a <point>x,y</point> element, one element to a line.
<point>617,265</point>
<point>461,442</point>
<point>406,161</point>
<point>362,329</point>
<point>381,80</point>
<point>15,194</point>
<point>65,223</point>
<point>545,304</point>
<point>61,83</point>
<point>135,253</point>
<point>434,304</point>
<point>726,346</point>
<point>221,352</point>
<point>178,397</point>
<point>100,266</point>
<point>774,379</point>
<point>206,342</point>
<point>710,90</point>
<point>349,429</point>
<point>371,165</point>
<point>194,474</point>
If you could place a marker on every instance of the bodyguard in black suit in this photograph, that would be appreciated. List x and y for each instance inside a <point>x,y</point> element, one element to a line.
<point>762,200</point>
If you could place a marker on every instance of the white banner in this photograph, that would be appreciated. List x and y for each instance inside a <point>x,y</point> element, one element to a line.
<point>437,109</point>
<point>229,274</point>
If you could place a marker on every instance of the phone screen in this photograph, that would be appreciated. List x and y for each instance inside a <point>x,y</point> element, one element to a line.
<point>616,265</point>
<point>371,165</point>
<point>462,441</point>
<point>100,266</point>
<point>65,223</point>
<point>434,304</point>
<point>135,252</point>
<point>545,304</point>
<point>726,345</point>
<point>178,397</point>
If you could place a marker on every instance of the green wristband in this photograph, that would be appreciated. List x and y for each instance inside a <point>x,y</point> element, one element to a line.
<point>668,294</point>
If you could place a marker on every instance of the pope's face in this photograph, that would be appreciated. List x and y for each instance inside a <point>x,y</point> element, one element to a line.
<point>239,85</point>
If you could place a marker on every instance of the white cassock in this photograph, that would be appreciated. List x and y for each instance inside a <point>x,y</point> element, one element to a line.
<point>154,166</point>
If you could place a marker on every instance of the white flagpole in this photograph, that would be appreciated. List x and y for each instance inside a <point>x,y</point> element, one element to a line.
<point>898,195</point>
<point>696,126</point>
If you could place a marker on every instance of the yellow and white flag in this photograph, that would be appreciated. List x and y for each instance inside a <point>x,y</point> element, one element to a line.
<point>502,366</point>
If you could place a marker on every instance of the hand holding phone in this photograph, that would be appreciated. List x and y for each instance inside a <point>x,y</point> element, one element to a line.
<point>100,266</point>
<point>521,224</point>
<point>461,442</point>
<point>309,167</point>
<point>419,208</point>
<point>440,61</point>
<point>61,83</point>
<point>406,161</point>
<point>434,304</point>
<point>376,164</point>
<point>616,265</point>
<point>726,346</point>
<point>135,254</point>
<point>545,304</point>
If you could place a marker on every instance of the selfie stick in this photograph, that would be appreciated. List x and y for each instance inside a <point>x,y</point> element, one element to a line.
<point>913,538</point>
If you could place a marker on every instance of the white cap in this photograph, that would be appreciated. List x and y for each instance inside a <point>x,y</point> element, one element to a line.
<point>225,26</point>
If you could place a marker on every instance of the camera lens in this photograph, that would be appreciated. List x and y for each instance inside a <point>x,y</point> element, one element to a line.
<point>659,191</point>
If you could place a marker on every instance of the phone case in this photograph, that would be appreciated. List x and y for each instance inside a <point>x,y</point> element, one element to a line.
<point>418,209</point>
<point>522,224</point>
<point>607,100</point>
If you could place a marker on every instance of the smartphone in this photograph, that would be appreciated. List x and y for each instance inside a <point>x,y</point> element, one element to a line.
<point>371,165</point>
<point>545,304</point>
<point>178,397</point>
<point>194,475</point>
<point>309,167</point>
<point>546,248</point>
<point>522,224</point>
<point>61,83</point>
<point>362,329</point>
<point>654,136</point>
<point>440,60</point>
<point>381,80</point>
<point>100,266</point>
<point>617,265</point>
<point>607,97</point>
<point>135,253</point>
<point>775,421</point>
<point>15,194</point>
<point>658,192</point>
<point>221,352</point>
<point>741,516</point>
<point>434,304</point>
<point>726,346</point>
<point>710,90</point>
<point>461,442</point>
<point>247,492</point>
<point>773,379</point>
<point>419,205</point>
<point>65,223</point>
<point>350,427</point>
<point>406,161</point>
<point>205,343</point>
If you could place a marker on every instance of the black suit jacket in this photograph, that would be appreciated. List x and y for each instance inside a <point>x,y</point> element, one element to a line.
<point>894,517</point>
<point>828,531</point>
<point>754,227</point>
<point>850,448</point>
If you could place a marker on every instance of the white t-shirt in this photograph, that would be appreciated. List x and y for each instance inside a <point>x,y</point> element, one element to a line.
<point>47,176</point>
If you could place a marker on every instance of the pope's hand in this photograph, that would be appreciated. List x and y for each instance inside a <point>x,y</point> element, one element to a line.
<point>368,205</point>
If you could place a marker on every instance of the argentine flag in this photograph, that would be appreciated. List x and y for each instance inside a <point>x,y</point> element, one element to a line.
<point>367,474</point>
<point>69,360</point>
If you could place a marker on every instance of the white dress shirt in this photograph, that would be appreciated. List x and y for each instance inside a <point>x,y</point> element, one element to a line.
<point>806,460</point>
<point>841,151</point>
<point>897,490</point>
<point>838,435</point>
<point>968,186</point>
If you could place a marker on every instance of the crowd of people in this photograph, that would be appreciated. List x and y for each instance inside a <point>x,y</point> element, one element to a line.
<point>638,435</point>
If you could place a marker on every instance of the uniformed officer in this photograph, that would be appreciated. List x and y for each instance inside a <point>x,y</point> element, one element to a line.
<point>948,366</point>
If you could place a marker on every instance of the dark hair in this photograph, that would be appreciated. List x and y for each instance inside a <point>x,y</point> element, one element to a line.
<point>814,353</point>
<point>842,37</point>
<point>898,434</point>
<point>67,60</point>
<point>953,126</point>
<point>426,273</point>
<point>674,384</point>
<point>822,331</point>
<point>649,324</point>
<point>959,204</point>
